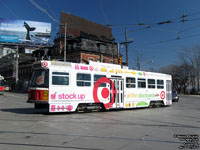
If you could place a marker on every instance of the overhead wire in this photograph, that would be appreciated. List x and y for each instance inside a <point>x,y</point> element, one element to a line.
<point>195,13</point>
<point>172,31</point>
<point>175,20</point>
<point>191,28</point>
<point>52,12</point>
<point>47,13</point>
<point>174,39</point>
<point>144,26</point>
<point>152,25</point>
<point>103,12</point>
<point>43,10</point>
<point>9,9</point>
<point>56,28</point>
<point>140,12</point>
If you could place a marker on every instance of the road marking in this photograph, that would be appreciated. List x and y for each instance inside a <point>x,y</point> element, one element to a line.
<point>14,96</point>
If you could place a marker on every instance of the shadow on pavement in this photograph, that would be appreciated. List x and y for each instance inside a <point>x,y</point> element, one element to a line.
<point>26,111</point>
<point>45,111</point>
<point>33,111</point>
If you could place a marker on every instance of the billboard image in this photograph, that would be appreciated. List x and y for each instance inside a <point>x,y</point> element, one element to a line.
<point>24,32</point>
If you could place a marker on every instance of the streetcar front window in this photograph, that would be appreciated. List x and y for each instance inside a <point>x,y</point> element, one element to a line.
<point>40,78</point>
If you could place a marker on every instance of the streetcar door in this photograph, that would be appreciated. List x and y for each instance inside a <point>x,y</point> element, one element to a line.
<point>168,92</point>
<point>119,94</point>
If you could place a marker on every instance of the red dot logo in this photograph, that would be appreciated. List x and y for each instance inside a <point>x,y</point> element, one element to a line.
<point>105,91</point>
<point>44,64</point>
<point>91,68</point>
<point>162,95</point>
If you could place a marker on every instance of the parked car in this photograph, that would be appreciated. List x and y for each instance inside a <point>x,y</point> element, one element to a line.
<point>175,96</point>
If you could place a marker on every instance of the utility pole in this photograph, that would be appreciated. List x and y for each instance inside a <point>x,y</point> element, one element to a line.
<point>138,62</point>
<point>16,66</point>
<point>112,54</point>
<point>126,44</point>
<point>65,42</point>
<point>113,51</point>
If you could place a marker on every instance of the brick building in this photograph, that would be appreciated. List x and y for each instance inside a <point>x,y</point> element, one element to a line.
<point>85,40</point>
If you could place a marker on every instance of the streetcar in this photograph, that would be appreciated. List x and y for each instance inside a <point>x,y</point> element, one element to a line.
<point>2,88</point>
<point>69,87</point>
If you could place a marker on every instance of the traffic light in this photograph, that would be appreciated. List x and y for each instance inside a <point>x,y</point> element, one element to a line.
<point>120,60</point>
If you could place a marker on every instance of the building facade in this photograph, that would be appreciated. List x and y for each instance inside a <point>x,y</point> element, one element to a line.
<point>85,41</point>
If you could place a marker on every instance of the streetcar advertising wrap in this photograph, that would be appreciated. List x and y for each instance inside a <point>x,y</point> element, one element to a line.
<point>69,87</point>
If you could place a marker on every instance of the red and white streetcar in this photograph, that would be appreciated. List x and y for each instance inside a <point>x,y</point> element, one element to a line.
<point>68,87</point>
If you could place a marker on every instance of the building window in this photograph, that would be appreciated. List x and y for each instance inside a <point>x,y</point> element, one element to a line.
<point>141,83</point>
<point>60,78</point>
<point>130,82</point>
<point>90,45</point>
<point>151,83</point>
<point>102,48</point>
<point>160,84</point>
<point>83,79</point>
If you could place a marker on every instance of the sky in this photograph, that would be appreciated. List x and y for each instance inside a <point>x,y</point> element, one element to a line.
<point>158,46</point>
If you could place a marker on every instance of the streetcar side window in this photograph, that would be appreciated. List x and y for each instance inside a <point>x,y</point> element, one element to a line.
<point>96,77</point>
<point>141,83</point>
<point>130,82</point>
<point>151,84</point>
<point>60,78</point>
<point>160,84</point>
<point>83,79</point>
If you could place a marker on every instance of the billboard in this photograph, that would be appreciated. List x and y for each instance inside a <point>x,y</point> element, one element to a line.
<point>24,32</point>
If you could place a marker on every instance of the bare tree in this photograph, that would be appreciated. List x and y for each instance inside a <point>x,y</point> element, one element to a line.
<point>180,76</point>
<point>191,57</point>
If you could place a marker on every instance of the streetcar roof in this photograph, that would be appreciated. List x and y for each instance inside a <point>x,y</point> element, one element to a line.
<point>98,67</point>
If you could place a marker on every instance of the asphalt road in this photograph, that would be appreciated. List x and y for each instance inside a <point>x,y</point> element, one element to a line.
<point>22,127</point>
